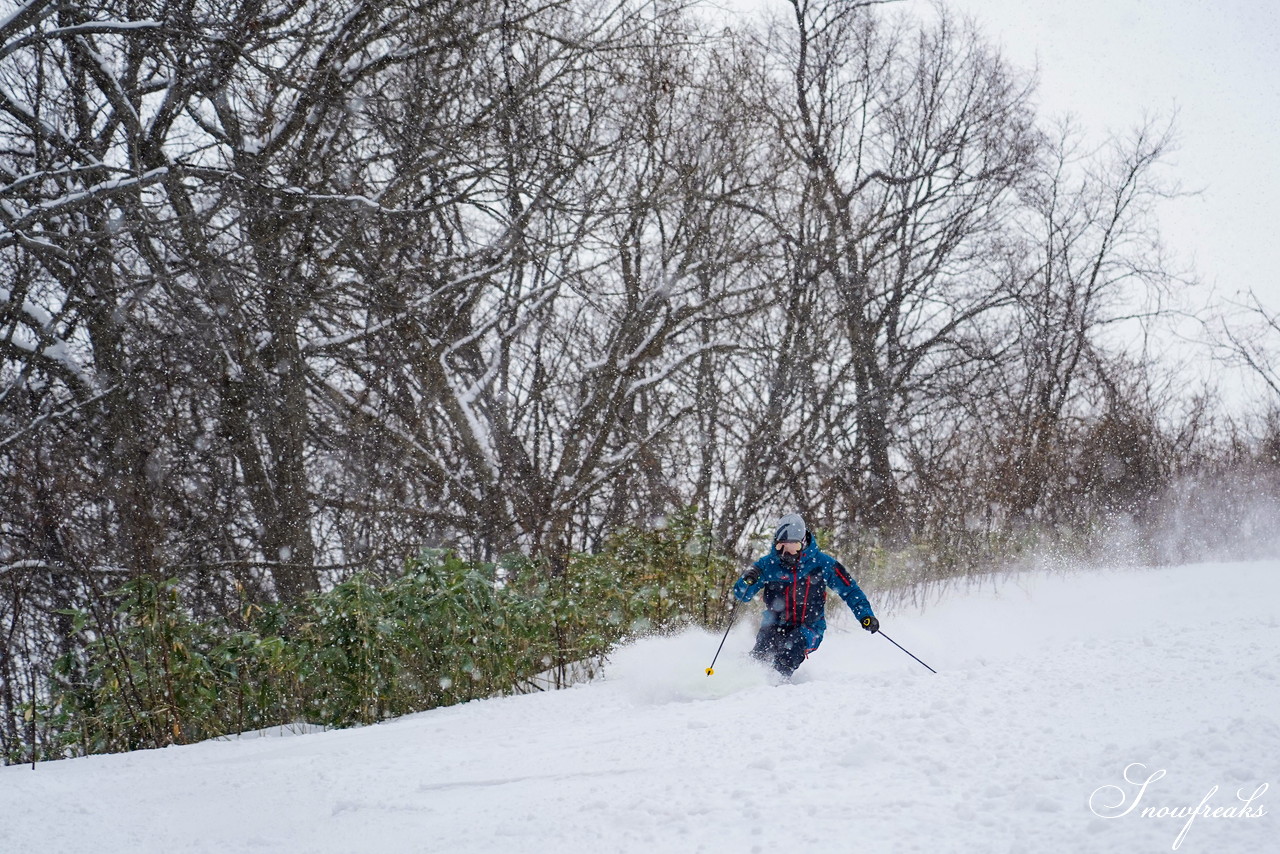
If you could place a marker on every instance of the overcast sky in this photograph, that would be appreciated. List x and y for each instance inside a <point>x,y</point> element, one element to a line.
<point>1217,64</point>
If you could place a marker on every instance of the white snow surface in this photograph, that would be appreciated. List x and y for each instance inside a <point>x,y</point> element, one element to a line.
<point>1049,686</point>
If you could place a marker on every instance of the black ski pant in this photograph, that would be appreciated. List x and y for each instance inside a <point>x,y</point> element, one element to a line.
<point>782,646</point>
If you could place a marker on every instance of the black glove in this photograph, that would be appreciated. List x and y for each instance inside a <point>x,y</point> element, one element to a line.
<point>871,624</point>
<point>751,576</point>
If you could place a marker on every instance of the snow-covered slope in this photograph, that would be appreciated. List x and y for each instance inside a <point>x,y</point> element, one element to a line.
<point>1049,687</point>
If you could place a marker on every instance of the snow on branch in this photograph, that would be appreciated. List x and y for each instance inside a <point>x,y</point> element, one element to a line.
<point>109,82</point>
<point>32,565</point>
<point>664,373</point>
<point>39,339</point>
<point>52,416</point>
<point>86,29</point>
<point>336,342</point>
<point>27,15</point>
<point>71,201</point>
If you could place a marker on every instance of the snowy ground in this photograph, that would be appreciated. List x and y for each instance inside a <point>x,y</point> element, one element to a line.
<point>1049,686</point>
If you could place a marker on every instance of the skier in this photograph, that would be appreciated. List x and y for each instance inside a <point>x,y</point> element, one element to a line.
<point>795,576</point>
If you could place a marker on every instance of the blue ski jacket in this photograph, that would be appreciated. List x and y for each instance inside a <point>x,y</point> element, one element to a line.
<point>795,595</point>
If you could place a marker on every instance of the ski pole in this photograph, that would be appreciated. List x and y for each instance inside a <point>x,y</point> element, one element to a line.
<point>711,671</point>
<point>899,646</point>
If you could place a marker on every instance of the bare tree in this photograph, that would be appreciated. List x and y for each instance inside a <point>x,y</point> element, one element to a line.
<point>1253,342</point>
<point>1093,263</point>
<point>908,142</point>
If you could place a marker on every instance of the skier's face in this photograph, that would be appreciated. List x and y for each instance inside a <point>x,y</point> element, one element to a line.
<point>789,548</point>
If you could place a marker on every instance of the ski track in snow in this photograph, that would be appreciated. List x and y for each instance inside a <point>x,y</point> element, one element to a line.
<point>1049,685</point>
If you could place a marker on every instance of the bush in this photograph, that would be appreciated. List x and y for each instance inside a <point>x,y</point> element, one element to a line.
<point>146,673</point>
